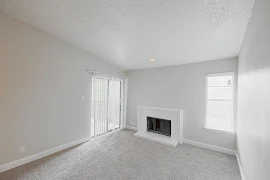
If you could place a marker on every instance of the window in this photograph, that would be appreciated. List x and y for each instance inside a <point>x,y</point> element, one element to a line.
<point>220,102</point>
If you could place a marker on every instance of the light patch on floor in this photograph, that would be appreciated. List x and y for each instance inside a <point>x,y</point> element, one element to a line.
<point>120,155</point>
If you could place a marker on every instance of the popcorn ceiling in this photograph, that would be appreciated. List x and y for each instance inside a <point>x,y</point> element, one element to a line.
<point>129,33</point>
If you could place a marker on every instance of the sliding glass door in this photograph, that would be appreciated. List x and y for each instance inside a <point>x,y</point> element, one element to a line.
<point>114,104</point>
<point>106,103</point>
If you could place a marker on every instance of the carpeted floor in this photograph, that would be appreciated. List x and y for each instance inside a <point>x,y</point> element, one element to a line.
<point>120,155</point>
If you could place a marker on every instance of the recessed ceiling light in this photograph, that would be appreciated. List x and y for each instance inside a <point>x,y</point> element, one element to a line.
<point>152,60</point>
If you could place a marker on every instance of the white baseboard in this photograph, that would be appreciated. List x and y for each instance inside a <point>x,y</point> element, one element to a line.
<point>211,147</point>
<point>131,128</point>
<point>19,162</point>
<point>240,166</point>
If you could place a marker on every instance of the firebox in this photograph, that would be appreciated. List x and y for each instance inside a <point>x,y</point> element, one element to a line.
<point>160,126</point>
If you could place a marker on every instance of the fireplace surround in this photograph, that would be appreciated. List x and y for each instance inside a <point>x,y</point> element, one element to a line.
<point>175,116</point>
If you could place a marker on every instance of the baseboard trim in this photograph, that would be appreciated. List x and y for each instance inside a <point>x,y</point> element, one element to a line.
<point>211,147</point>
<point>131,128</point>
<point>240,166</point>
<point>19,162</point>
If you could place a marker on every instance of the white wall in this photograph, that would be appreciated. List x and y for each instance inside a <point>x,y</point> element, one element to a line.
<point>253,130</point>
<point>180,87</point>
<point>41,83</point>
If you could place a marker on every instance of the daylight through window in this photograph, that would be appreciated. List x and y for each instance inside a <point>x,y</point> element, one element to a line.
<point>220,98</point>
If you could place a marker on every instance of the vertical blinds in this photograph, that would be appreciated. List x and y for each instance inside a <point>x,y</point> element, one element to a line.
<point>106,103</point>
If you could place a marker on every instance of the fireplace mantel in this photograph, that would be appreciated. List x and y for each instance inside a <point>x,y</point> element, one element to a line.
<point>176,117</point>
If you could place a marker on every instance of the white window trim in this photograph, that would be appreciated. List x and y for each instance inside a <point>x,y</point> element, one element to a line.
<point>233,101</point>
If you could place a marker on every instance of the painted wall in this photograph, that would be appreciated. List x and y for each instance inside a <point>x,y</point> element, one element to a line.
<point>253,130</point>
<point>180,87</point>
<point>42,81</point>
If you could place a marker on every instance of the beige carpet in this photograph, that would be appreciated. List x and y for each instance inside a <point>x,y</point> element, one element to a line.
<point>120,155</point>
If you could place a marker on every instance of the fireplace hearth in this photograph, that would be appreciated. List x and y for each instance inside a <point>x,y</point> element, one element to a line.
<point>159,126</point>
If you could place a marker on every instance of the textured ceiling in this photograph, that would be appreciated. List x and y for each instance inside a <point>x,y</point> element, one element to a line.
<point>128,33</point>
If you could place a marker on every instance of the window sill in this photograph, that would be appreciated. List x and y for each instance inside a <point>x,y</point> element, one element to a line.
<point>220,131</point>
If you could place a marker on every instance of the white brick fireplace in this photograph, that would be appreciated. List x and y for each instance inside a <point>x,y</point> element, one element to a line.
<point>174,115</point>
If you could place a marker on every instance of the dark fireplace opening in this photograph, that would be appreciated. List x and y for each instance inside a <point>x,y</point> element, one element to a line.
<point>160,126</point>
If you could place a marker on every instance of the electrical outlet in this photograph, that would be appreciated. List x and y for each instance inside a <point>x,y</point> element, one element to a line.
<point>22,149</point>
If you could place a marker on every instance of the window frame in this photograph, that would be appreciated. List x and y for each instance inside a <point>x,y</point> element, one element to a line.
<point>233,102</point>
